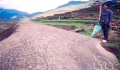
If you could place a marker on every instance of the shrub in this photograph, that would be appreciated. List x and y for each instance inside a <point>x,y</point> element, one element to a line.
<point>114,45</point>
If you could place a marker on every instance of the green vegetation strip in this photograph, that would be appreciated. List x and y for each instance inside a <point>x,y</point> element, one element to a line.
<point>65,24</point>
<point>66,21</point>
<point>114,45</point>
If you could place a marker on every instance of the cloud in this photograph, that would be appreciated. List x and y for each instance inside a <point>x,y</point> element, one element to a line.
<point>31,6</point>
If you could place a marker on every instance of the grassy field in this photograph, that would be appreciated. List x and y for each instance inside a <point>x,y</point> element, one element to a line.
<point>64,24</point>
<point>67,21</point>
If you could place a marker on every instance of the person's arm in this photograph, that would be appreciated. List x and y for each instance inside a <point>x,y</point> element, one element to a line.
<point>100,10</point>
<point>100,20</point>
<point>110,17</point>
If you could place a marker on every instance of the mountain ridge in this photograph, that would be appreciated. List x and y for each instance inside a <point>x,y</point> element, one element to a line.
<point>14,15</point>
<point>72,3</point>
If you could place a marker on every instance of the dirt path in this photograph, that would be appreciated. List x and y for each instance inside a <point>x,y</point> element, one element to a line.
<point>40,47</point>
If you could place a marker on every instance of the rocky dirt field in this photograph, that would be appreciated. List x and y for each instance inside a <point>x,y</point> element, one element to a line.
<point>31,46</point>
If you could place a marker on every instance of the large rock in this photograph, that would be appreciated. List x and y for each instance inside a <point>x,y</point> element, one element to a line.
<point>40,47</point>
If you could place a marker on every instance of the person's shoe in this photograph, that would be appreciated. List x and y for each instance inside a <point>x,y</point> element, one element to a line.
<point>104,41</point>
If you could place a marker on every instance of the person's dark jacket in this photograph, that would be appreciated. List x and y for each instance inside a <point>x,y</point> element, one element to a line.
<point>106,16</point>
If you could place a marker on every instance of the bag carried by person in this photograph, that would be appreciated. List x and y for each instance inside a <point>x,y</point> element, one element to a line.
<point>97,28</point>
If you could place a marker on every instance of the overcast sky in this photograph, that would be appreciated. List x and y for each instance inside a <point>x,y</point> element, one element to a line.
<point>32,6</point>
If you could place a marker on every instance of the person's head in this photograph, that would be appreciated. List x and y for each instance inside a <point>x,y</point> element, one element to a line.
<point>105,6</point>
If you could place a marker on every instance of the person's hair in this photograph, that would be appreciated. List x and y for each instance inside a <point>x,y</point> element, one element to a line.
<point>105,4</point>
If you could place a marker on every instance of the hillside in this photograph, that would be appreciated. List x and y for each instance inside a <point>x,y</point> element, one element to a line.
<point>36,13</point>
<point>30,46</point>
<point>87,13</point>
<point>8,15</point>
<point>73,6</point>
<point>65,9</point>
<point>12,15</point>
<point>72,3</point>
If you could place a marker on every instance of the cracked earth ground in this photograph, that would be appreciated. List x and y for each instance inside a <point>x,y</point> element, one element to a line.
<point>33,46</point>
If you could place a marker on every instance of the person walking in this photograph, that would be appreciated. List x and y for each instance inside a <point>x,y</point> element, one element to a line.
<point>106,20</point>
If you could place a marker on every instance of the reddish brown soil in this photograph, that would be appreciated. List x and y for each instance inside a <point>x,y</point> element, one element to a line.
<point>1,30</point>
<point>65,27</point>
<point>84,13</point>
<point>6,30</point>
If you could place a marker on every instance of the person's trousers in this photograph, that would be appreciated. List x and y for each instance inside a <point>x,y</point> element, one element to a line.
<point>105,28</point>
